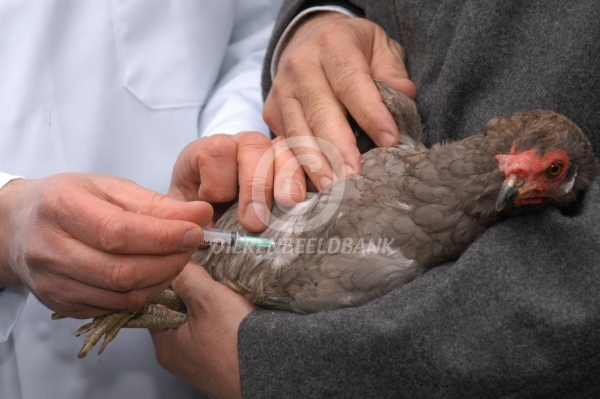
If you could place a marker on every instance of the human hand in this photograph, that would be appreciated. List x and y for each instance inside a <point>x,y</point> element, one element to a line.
<point>327,68</point>
<point>80,246</point>
<point>214,168</point>
<point>203,352</point>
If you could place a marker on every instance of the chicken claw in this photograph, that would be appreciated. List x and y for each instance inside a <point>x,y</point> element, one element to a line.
<point>164,311</point>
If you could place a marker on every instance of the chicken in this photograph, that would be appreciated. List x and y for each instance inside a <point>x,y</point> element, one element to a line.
<point>410,209</point>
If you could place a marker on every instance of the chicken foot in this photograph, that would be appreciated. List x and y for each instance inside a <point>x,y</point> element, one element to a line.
<point>164,311</point>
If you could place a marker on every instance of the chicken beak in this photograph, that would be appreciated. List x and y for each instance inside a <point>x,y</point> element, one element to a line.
<point>508,193</point>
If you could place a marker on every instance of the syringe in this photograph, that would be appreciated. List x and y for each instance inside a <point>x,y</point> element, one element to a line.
<point>233,238</point>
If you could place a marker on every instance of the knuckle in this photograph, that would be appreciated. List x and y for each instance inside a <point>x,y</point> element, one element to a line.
<point>35,257</point>
<point>216,192</point>
<point>301,144</point>
<point>366,118</point>
<point>123,277</point>
<point>327,33</point>
<point>117,181</point>
<point>293,63</point>
<point>259,181</point>
<point>317,115</point>
<point>278,88</point>
<point>156,203</point>
<point>112,233</point>
<point>294,132</point>
<point>346,82</point>
<point>45,289</point>
<point>274,108</point>
<point>312,163</point>
<point>269,113</point>
<point>254,141</point>
<point>219,147</point>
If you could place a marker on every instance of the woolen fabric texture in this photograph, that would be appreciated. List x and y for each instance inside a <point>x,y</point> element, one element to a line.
<point>518,315</point>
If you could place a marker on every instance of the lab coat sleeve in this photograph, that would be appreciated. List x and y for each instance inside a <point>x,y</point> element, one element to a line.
<point>5,178</point>
<point>236,102</point>
<point>12,299</point>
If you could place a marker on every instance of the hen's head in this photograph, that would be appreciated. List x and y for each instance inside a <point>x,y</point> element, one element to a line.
<point>550,161</point>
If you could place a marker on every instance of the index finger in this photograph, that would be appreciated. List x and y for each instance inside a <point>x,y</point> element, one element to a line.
<point>351,79</point>
<point>143,222</point>
<point>206,169</point>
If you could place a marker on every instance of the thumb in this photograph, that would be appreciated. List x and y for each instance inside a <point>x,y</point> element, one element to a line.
<point>192,284</point>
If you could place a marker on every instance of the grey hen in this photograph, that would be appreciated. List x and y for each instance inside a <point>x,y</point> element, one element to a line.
<point>410,209</point>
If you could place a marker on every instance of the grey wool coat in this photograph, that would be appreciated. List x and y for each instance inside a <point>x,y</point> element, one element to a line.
<point>518,315</point>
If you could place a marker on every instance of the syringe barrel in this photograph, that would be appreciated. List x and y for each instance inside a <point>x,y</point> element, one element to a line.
<point>220,237</point>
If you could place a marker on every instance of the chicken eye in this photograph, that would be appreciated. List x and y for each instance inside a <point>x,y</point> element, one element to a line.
<point>555,169</point>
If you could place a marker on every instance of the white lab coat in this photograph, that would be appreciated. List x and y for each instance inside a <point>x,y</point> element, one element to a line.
<point>117,87</point>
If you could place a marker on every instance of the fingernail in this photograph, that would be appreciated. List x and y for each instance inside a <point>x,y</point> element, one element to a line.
<point>291,187</point>
<point>386,139</point>
<point>192,238</point>
<point>348,171</point>
<point>324,182</point>
<point>256,215</point>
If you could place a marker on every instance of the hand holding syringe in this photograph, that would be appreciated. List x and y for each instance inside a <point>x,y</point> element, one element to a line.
<point>233,238</point>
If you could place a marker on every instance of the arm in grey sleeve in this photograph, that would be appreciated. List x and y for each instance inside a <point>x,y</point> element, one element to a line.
<point>518,315</point>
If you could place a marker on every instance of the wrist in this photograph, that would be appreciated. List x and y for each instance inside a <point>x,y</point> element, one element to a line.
<point>9,196</point>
